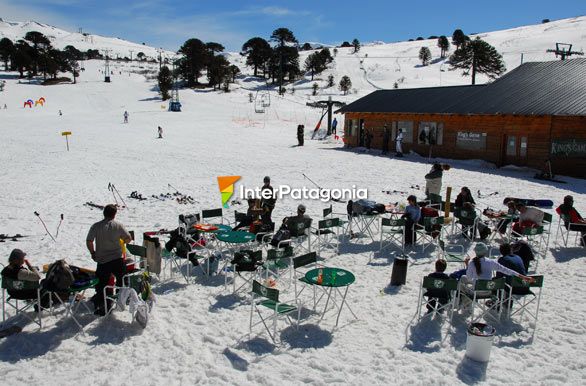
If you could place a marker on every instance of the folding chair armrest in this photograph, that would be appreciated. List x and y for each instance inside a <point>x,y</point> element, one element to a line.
<point>288,241</point>
<point>264,236</point>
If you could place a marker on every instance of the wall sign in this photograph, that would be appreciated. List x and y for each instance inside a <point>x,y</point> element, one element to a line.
<point>468,140</point>
<point>569,148</point>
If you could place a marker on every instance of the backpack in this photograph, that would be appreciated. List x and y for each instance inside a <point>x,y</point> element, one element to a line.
<point>245,261</point>
<point>364,207</point>
<point>282,234</point>
<point>59,277</point>
<point>483,230</point>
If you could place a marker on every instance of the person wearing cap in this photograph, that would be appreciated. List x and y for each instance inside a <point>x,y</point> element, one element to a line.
<point>483,268</point>
<point>107,253</point>
<point>19,268</point>
<point>301,217</point>
<point>576,221</point>
<point>267,204</point>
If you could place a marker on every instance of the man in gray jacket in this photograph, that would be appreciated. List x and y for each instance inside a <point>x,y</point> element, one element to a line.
<point>107,252</point>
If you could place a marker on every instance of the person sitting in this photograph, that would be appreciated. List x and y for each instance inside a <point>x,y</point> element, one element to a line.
<point>442,296</point>
<point>464,196</point>
<point>529,217</point>
<point>411,216</point>
<point>19,268</point>
<point>576,222</point>
<point>508,216</point>
<point>467,220</point>
<point>296,225</point>
<point>483,269</point>
<point>251,215</point>
<point>433,180</point>
<point>510,260</point>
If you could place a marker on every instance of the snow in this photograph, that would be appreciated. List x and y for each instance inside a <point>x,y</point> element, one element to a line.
<point>198,332</point>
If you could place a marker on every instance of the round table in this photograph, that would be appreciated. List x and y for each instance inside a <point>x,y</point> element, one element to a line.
<point>235,237</point>
<point>221,228</point>
<point>333,278</point>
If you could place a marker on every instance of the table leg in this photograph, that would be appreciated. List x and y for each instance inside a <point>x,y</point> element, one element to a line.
<point>342,306</point>
<point>327,302</point>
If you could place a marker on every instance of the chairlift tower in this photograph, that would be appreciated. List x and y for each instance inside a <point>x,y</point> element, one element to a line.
<point>174,104</point>
<point>107,67</point>
<point>564,50</point>
<point>327,105</point>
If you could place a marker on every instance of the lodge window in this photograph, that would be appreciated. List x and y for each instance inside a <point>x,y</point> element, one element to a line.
<point>406,127</point>
<point>354,127</point>
<point>430,133</point>
<point>523,147</point>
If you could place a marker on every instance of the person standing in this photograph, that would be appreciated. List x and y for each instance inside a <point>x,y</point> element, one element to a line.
<point>368,139</point>
<point>433,180</point>
<point>267,202</point>
<point>411,216</point>
<point>386,137</point>
<point>334,126</point>
<point>399,143</point>
<point>300,135</point>
<point>160,131</point>
<point>125,116</point>
<point>107,253</point>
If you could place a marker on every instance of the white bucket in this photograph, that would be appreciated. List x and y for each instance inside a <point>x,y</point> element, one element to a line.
<point>479,341</point>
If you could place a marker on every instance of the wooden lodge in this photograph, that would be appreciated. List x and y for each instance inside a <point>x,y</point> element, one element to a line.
<point>533,114</point>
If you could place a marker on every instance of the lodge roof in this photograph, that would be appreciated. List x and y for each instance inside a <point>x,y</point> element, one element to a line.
<point>534,88</point>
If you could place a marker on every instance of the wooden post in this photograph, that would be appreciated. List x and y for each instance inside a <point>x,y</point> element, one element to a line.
<point>447,206</point>
<point>66,134</point>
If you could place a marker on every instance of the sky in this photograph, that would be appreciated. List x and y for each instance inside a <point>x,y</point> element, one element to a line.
<point>167,24</point>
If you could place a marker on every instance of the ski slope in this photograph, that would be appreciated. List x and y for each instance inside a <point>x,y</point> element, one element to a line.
<point>197,333</point>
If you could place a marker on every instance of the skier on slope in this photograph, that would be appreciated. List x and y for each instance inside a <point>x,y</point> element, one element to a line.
<point>160,131</point>
<point>125,116</point>
<point>300,134</point>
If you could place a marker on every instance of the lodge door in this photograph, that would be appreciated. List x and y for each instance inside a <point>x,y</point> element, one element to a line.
<point>361,133</point>
<point>515,149</point>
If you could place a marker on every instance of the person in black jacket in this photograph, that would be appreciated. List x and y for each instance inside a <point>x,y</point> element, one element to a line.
<point>441,296</point>
<point>300,134</point>
<point>267,204</point>
<point>464,196</point>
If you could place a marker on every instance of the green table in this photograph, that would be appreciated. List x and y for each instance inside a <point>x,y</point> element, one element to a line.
<point>235,237</point>
<point>332,278</point>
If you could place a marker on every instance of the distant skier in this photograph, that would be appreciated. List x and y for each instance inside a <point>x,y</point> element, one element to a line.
<point>300,134</point>
<point>5,107</point>
<point>60,113</point>
<point>125,116</point>
<point>160,131</point>
<point>398,143</point>
<point>334,125</point>
<point>386,137</point>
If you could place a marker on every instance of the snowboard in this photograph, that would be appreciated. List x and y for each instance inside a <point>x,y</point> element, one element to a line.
<point>10,331</point>
<point>529,202</point>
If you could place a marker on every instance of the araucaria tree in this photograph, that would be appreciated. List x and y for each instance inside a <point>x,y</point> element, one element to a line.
<point>425,55</point>
<point>345,84</point>
<point>317,62</point>
<point>479,57</point>
<point>165,80</point>
<point>356,45</point>
<point>258,52</point>
<point>287,54</point>
<point>458,38</point>
<point>444,44</point>
<point>6,51</point>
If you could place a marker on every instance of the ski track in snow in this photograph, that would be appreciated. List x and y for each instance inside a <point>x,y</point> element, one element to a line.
<point>199,333</point>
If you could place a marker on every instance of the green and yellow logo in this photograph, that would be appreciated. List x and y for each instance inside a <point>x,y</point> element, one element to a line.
<point>226,184</point>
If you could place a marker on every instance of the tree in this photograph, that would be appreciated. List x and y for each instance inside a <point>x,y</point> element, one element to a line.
<point>165,80</point>
<point>444,45</point>
<point>41,44</point>
<point>345,84</point>
<point>458,38</point>
<point>346,44</point>
<point>314,88</point>
<point>234,71</point>
<point>218,71</point>
<point>6,51</point>
<point>317,62</point>
<point>425,55</point>
<point>141,56</point>
<point>479,57</point>
<point>306,47</point>
<point>195,59</point>
<point>356,45</point>
<point>284,36</point>
<point>71,55</point>
<point>331,80</point>
<point>258,52</point>
<point>93,54</point>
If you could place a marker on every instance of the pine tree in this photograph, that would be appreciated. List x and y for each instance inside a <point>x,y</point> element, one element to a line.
<point>425,55</point>
<point>195,59</point>
<point>444,44</point>
<point>330,80</point>
<point>165,80</point>
<point>345,84</point>
<point>356,45</point>
<point>6,51</point>
<point>41,44</point>
<point>284,36</point>
<point>458,38</point>
<point>258,52</point>
<point>479,57</point>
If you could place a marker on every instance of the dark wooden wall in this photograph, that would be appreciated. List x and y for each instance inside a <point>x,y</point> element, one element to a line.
<point>539,131</point>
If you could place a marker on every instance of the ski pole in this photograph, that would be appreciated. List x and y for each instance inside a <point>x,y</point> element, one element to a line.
<point>42,222</point>
<point>118,193</point>
<point>59,226</point>
<point>172,187</point>
<point>112,190</point>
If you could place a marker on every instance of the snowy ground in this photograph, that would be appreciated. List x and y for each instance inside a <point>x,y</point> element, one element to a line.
<point>198,333</point>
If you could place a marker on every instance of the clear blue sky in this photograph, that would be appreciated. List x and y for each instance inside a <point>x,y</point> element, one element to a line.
<point>167,24</point>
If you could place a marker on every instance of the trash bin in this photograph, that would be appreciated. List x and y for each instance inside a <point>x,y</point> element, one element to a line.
<point>479,341</point>
<point>399,273</point>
